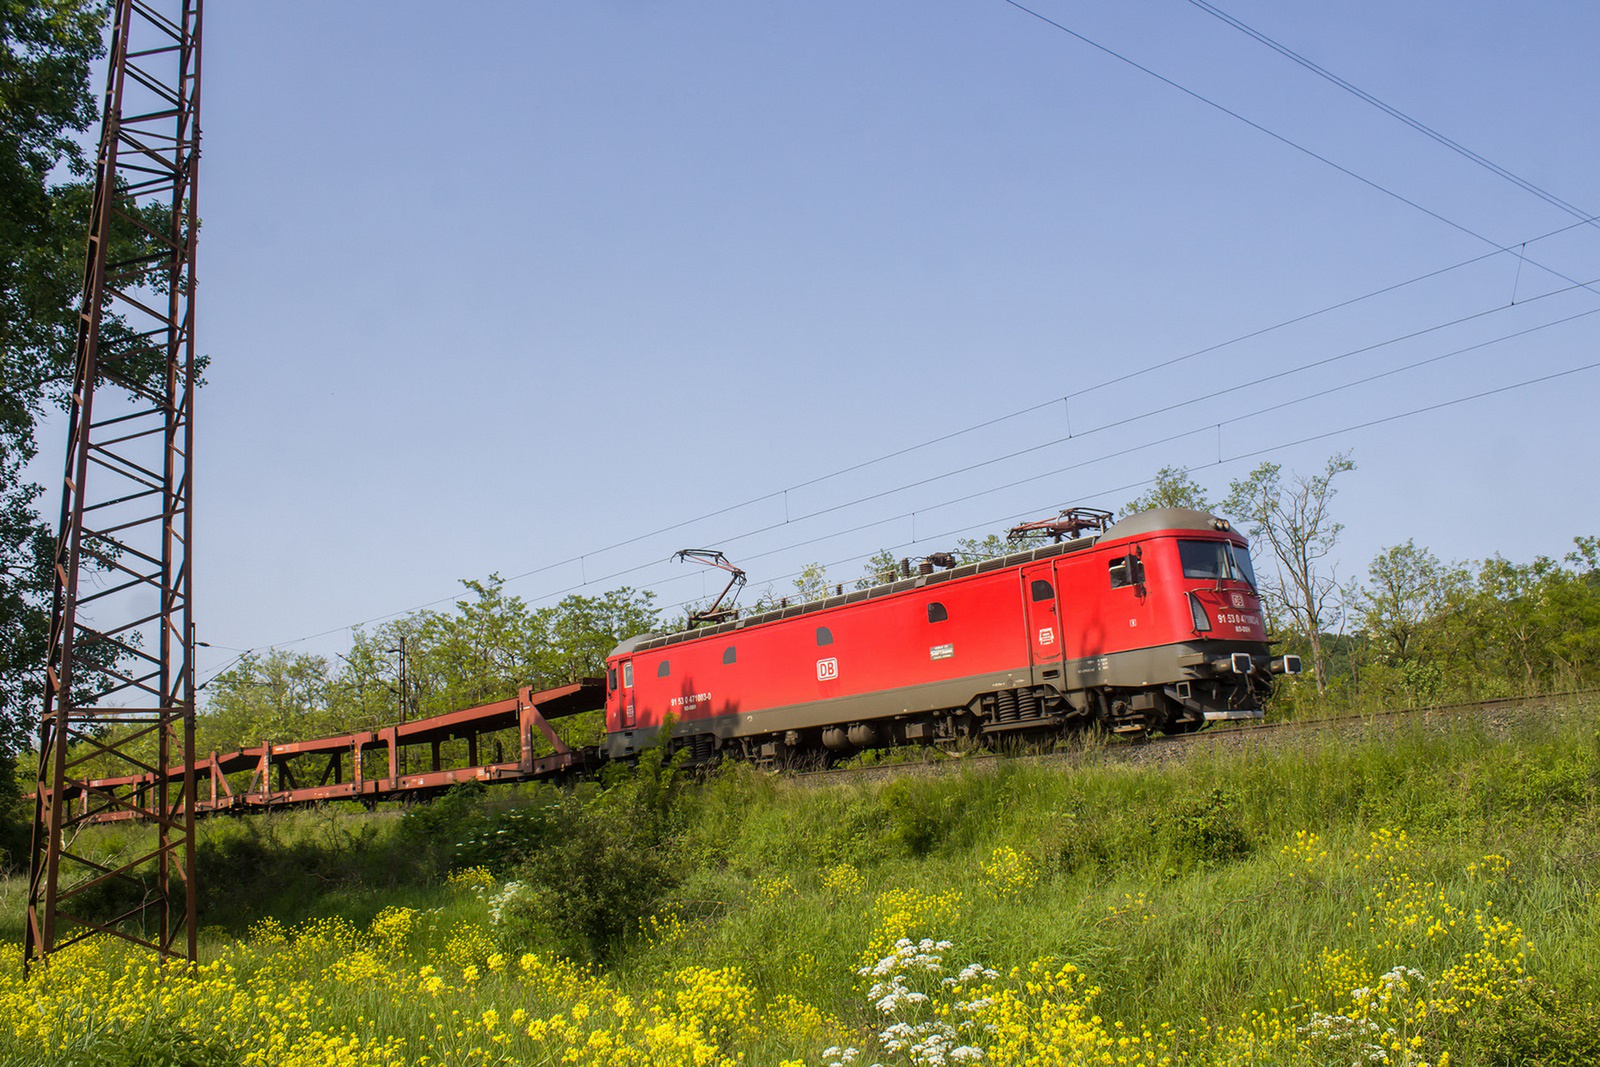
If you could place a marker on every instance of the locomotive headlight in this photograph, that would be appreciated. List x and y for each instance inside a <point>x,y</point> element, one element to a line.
<point>1202,621</point>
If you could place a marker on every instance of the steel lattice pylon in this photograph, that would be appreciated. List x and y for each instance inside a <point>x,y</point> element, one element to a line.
<point>120,687</point>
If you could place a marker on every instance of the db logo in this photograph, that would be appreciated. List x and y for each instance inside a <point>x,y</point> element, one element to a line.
<point>1047,636</point>
<point>1238,601</point>
<point>827,670</point>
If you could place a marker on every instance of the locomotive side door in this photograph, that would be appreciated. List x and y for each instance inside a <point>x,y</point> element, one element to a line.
<point>625,699</point>
<point>1041,610</point>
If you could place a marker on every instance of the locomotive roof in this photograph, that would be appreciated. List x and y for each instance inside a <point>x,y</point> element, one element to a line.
<point>1133,525</point>
<point>1143,522</point>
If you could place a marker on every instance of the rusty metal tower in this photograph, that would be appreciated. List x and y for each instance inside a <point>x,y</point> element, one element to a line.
<point>119,694</point>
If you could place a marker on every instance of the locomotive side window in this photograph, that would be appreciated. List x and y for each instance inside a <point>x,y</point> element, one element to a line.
<point>936,612</point>
<point>824,636</point>
<point>611,679</point>
<point>1042,590</point>
<point>664,669</point>
<point>730,654</point>
<point>627,675</point>
<point>1126,570</point>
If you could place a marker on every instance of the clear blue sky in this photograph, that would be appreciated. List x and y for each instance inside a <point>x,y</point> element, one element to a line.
<point>488,287</point>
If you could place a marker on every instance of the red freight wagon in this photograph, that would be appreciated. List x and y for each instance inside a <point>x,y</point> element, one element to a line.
<point>1153,625</point>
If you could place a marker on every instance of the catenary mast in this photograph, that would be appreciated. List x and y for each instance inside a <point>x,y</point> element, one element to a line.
<point>119,695</point>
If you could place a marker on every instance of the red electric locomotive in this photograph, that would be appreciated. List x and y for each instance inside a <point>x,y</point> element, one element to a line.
<point>1155,624</point>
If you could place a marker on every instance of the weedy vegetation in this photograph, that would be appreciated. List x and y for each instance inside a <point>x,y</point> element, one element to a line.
<point>1422,895</point>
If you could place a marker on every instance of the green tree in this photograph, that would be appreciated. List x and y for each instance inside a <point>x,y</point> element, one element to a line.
<point>1519,627</point>
<point>1173,489</point>
<point>46,47</point>
<point>484,650</point>
<point>1295,519</point>
<point>1575,600</point>
<point>881,567</point>
<point>1408,591</point>
<point>273,696</point>
<point>584,630</point>
<point>977,549</point>
<point>812,583</point>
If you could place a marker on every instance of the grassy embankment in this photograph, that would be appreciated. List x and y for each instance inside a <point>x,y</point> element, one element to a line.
<point>1428,894</point>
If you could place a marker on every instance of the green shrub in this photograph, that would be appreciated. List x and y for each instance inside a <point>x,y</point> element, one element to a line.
<point>1542,1027</point>
<point>434,832</point>
<point>1204,832</point>
<point>916,815</point>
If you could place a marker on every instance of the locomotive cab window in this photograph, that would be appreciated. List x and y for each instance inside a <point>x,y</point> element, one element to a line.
<point>824,636</point>
<point>611,679</point>
<point>1042,590</point>
<point>730,654</point>
<point>1241,563</point>
<point>664,669</point>
<point>627,675</point>
<point>1216,560</point>
<point>936,612</point>
<point>1126,570</point>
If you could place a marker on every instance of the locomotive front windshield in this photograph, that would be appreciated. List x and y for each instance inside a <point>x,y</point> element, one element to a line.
<point>1215,560</point>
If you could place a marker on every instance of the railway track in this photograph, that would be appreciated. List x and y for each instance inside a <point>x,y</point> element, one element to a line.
<point>1498,711</point>
<point>338,770</point>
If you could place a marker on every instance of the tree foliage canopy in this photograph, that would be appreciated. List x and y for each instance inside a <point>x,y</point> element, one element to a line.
<point>1294,518</point>
<point>46,47</point>
<point>488,647</point>
<point>1173,488</point>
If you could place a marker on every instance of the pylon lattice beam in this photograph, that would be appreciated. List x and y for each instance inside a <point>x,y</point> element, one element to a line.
<point>120,674</point>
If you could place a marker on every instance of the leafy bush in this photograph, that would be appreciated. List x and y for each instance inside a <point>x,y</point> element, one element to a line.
<point>434,832</point>
<point>520,916</point>
<point>1541,1027</point>
<point>1204,833</point>
<point>917,818</point>
<point>503,841</point>
<point>591,868</point>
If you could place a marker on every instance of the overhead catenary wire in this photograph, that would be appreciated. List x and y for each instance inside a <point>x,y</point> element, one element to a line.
<point>1183,358</point>
<point>997,420</point>
<point>1281,138</point>
<point>1220,462</point>
<point>1393,112</point>
<point>1165,409</point>
<point>1169,439</point>
<point>635,569</point>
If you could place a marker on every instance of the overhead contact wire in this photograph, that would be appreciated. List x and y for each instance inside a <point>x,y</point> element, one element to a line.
<point>624,572</point>
<point>1291,143</point>
<point>1393,112</point>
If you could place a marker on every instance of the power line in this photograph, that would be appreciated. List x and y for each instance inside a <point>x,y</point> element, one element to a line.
<point>1317,394</point>
<point>1117,380</point>
<point>1220,462</point>
<point>1297,146</point>
<point>1393,112</point>
<point>1165,409</point>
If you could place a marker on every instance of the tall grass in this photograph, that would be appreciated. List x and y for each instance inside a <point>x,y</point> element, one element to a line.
<point>1204,898</point>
